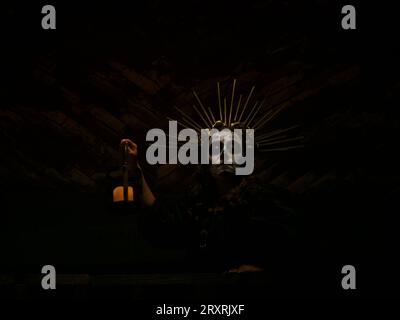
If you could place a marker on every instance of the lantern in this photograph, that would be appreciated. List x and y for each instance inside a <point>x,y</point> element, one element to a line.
<point>124,193</point>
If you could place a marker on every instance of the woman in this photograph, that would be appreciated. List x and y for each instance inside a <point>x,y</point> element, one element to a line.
<point>225,221</point>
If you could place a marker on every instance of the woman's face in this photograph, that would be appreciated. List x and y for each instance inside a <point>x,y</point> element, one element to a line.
<point>222,151</point>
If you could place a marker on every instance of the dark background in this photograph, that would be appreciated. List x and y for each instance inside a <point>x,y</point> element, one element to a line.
<point>116,69</point>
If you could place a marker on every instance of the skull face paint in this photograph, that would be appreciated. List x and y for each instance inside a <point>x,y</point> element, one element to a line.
<point>216,147</point>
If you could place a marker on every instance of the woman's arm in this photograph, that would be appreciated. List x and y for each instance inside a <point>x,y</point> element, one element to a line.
<point>162,223</point>
<point>148,197</point>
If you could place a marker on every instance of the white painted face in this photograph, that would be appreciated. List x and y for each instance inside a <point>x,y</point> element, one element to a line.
<point>222,149</point>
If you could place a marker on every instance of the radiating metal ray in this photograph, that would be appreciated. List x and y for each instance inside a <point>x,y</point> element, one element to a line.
<point>219,101</point>
<point>195,123</point>
<point>270,118</point>
<point>225,110</point>
<point>282,149</point>
<point>202,107</point>
<point>231,107</point>
<point>201,116</point>
<point>238,106</point>
<point>280,141</point>
<point>270,139</point>
<point>212,114</point>
<point>191,124</point>
<point>247,101</point>
<point>268,113</point>
<point>275,132</point>
<point>254,114</point>
<point>251,111</point>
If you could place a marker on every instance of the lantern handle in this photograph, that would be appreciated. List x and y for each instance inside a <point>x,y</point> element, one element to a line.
<point>125,154</point>
<point>125,172</point>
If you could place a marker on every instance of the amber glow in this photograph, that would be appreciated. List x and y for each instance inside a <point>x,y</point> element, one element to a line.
<point>118,194</point>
